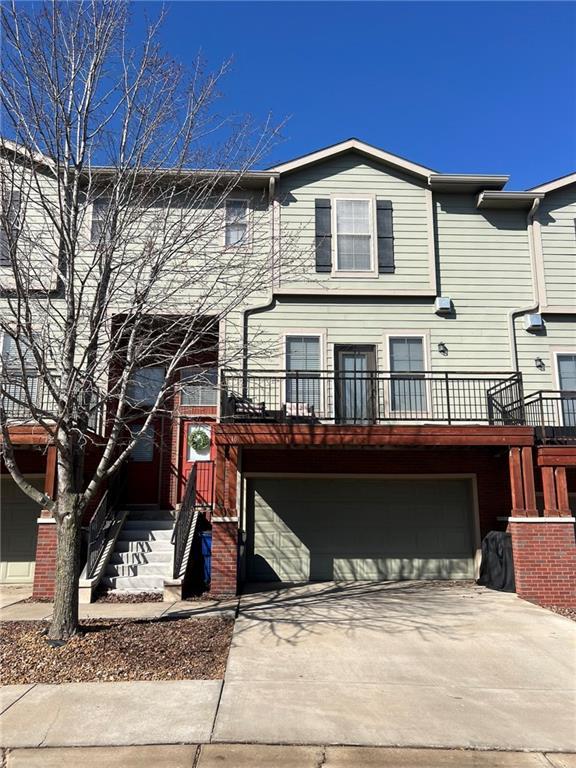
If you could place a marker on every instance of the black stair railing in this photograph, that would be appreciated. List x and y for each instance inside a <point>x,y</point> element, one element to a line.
<point>183,528</point>
<point>102,521</point>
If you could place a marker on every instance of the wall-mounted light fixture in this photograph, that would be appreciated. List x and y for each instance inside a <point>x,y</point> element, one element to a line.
<point>540,364</point>
<point>442,348</point>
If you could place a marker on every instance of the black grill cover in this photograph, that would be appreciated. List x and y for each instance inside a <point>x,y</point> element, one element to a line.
<point>497,566</point>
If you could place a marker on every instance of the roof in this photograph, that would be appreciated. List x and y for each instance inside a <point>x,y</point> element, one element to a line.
<point>442,182</point>
<point>550,186</point>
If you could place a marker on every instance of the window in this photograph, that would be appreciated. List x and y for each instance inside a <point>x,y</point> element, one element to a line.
<point>10,226</point>
<point>567,382</point>
<point>354,235</point>
<point>145,385</point>
<point>99,220</point>
<point>236,222</point>
<point>202,386</point>
<point>303,372</point>
<point>144,446</point>
<point>408,392</point>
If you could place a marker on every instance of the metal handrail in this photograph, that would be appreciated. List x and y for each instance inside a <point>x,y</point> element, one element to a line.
<point>371,397</point>
<point>183,525</point>
<point>101,522</point>
<point>552,413</point>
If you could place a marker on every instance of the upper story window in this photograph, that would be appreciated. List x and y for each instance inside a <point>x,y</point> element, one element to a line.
<point>200,386</point>
<point>9,226</point>
<point>303,393</point>
<point>408,387</point>
<point>99,220</point>
<point>145,385</point>
<point>354,236</point>
<point>236,222</point>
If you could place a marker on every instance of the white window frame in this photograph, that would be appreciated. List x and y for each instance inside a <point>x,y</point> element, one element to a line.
<point>200,370</point>
<point>310,334</point>
<point>247,241</point>
<point>104,201</point>
<point>556,353</point>
<point>424,336</point>
<point>356,274</point>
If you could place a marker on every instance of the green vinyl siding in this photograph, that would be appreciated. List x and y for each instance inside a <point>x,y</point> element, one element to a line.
<point>355,176</point>
<point>557,217</point>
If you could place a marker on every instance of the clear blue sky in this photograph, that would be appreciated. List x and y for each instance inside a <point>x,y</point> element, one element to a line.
<point>460,87</point>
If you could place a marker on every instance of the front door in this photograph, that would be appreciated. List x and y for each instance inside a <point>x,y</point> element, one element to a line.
<point>194,452</point>
<point>142,470</point>
<point>356,386</point>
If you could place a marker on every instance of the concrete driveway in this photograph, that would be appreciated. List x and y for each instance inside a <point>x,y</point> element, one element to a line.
<point>399,664</point>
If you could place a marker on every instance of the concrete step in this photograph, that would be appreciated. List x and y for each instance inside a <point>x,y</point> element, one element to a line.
<point>145,525</point>
<point>145,534</point>
<point>129,545</point>
<point>146,569</point>
<point>134,583</point>
<point>136,558</point>
<point>150,513</point>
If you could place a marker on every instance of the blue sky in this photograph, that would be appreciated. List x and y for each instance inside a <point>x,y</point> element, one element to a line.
<point>460,87</point>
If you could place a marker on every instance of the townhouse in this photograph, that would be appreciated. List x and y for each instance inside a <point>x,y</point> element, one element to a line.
<point>406,383</point>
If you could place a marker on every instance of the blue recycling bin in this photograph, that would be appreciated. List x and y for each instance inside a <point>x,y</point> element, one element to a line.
<point>206,538</point>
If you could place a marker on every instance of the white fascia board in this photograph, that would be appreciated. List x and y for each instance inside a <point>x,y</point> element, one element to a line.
<point>466,182</point>
<point>550,186</point>
<point>358,146</point>
<point>495,199</point>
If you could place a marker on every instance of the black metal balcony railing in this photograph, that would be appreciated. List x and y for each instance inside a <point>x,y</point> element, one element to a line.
<point>17,391</point>
<point>552,413</point>
<point>371,397</point>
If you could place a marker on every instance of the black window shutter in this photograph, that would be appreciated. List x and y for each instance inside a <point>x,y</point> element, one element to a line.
<point>385,231</point>
<point>323,236</point>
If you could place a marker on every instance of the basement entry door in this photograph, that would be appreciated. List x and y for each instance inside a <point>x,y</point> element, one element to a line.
<point>359,529</point>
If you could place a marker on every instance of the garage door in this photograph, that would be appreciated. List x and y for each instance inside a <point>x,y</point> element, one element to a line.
<point>355,529</point>
<point>18,532</point>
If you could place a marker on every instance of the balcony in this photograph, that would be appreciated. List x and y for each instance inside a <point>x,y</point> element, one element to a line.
<point>17,392</point>
<point>552,413</point>
<point>371,397</point>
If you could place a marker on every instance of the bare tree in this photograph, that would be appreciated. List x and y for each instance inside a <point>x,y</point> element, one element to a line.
<point>112,241</point>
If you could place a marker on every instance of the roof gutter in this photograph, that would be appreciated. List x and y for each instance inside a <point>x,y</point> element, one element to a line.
<point>534,306</point>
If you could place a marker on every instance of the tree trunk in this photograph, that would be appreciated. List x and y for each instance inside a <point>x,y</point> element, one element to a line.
<point>68,527</point>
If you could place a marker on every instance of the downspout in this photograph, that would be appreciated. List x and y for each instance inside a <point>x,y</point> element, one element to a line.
<point>514,313</point>
<point>271,301</point>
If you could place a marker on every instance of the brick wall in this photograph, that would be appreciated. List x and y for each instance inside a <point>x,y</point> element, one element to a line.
<point>45,569</point>
<point>224,558</point>
<point>545,562</point>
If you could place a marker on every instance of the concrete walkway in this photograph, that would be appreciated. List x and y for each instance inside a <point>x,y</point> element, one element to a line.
<point>22,611</point>
<point>400,664</point>
<point>264,756</point>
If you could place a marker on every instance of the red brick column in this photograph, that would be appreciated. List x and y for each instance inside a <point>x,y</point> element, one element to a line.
<point>45,569</point>
<point>224,579</point>
<point>544,551</point>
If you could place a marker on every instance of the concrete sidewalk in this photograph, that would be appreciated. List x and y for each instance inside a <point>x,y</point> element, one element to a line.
<point>23,611</point>
<point>264,756</point>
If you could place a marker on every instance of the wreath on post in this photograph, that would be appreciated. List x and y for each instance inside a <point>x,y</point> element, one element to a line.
<point>199,440</point>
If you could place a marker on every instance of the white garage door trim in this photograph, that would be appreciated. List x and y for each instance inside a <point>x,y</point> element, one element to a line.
<point>471,476</point>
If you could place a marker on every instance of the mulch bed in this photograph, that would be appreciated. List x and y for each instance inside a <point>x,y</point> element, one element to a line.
<point>127,597</point>
<point>569,613</point>
<point>108,650</point>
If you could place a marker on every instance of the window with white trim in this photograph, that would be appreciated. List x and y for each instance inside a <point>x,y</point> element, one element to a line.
<point>408,387</point>
<point>9,226</point>
<point>354,236</point>
<point>303,375</point>
<point>235,222</point>
<point>199,386</point>
<point>567,381</point>
<point>99,226</point>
